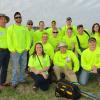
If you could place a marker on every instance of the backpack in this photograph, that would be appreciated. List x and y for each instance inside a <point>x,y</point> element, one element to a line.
<point>67,90</point>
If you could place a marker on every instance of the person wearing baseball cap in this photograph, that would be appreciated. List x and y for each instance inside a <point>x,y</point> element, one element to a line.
<point>4,53</point>
<point>68,25</point>
<point>7,19</point>
<point>63,60</point>
<point>90,61</point>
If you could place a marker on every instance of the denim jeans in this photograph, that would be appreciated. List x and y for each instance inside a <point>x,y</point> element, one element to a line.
<point>40,82</point>
<point>4,61</point>
<point>19,61</point>
<point>85,76</point>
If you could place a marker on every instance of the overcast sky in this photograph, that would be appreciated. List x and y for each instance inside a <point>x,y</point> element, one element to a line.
<point>84,12</point>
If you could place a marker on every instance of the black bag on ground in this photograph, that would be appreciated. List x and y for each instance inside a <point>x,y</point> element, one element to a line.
<point>68,90</point>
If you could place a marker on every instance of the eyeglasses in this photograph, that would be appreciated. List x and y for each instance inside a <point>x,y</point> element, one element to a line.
<point>30,24</point>
<point>55,32</point>
<point>18,17</point>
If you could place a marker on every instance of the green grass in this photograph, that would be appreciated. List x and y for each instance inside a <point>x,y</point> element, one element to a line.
<point>25,92</point>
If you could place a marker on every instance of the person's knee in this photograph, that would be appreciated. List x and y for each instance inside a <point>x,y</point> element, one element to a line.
<point>82,82</point>
<point>84,77</point>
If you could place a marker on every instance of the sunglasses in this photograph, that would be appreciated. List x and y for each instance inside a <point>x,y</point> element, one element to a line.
<point>18,17</point>
<point>30,24</point>
<point>55,32</point>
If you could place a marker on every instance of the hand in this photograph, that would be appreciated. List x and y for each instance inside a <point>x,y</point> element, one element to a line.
<point>94,70</point>
<point>37,72</point>
<point>44,75</point>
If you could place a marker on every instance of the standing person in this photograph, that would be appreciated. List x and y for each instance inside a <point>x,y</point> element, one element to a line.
<point>96,33</point>
<point>39,63</point>
<point>39,32</point>
<point>4,53</point>
<point>53,28</point>
<point>18,40</point>
<point>82,37</point>
<point>31,33</point>
<point>68,25</point>
<point>90,61</point>
<point>71,41</point>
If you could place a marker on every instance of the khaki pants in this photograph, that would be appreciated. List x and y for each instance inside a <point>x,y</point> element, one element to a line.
<point>69,74</point>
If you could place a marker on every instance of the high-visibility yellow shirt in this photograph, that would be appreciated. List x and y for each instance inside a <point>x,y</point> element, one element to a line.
<point>66,59</point>
<point>3,37</point>
<point>32,36</point>
<point>83,40</point>
<point>54,40</point>
<point>72,43</point>
<point>38,35</point>
<point>48,49</point>
<point>18,38</point>
<point>34,62</point>
<point>90,58</point>
<point>64,29</point>
<point>97,37</point>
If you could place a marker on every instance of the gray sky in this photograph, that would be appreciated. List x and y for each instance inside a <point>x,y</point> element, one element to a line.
<point>84,12</point>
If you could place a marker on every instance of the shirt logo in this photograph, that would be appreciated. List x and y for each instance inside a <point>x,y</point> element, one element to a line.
<point>68,59</point>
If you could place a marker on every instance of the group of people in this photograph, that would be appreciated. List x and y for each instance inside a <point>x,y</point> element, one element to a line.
<point>71,50</point>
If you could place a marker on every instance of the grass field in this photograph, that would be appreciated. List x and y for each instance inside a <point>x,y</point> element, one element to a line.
<point>25,92</point>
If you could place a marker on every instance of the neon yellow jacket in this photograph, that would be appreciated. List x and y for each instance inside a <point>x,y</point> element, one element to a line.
<point>83,39</point>
<point>31,36</point>
<point>72,43</point>
<point>3,38</point>
<point>38,35</point>
<point>62,60</point>
<point>50,30</point>
<point>90,58</point>
<point>97,37</point>
<point>18,38</point>
<point>34,62</point>
<point>48,49</point>
<point>64,29</point>
<point>54,41</point>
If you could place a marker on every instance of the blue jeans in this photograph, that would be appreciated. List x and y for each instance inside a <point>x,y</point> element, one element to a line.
<point>40,82</point>
<point>85,76</point>
<point>4,61</point>
<point>19,61</point>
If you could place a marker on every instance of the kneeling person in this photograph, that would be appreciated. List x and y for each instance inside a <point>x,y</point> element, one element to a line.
<point>90,61</point>
<point>39,64</point>
<point>63,63</point>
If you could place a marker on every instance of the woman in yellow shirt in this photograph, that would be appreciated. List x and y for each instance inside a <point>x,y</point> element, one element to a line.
<point>39,64</point>
<point>96,33</point>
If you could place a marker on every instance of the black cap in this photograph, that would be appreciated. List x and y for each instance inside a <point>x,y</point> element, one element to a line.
<point>91,39</point>
<point>68,18</point>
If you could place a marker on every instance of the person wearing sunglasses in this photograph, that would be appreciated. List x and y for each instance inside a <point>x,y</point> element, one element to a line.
<point>31,33</point>
<point>19,42</point>
<point>54,34</point>
<point>55,37</point>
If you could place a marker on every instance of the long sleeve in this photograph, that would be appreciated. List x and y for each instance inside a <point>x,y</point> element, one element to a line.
<point>10,39</point>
